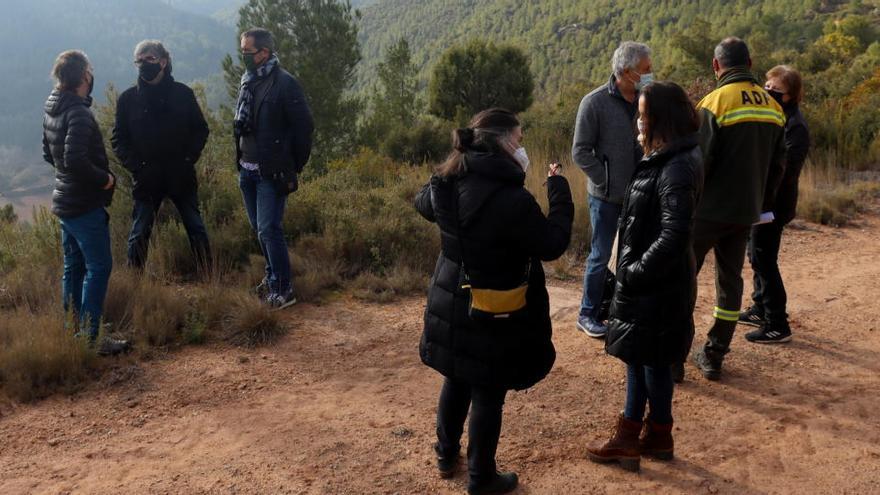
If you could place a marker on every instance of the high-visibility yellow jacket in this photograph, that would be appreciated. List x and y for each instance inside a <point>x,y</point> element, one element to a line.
<point>742,138</point>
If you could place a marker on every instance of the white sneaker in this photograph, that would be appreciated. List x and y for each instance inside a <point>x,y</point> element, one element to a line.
<point>591,327</point>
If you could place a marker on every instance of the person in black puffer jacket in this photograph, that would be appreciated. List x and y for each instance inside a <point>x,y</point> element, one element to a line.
<point>73,145</point>
<point>651,324</point>
<point>503,238</point>
<point>158,136</point>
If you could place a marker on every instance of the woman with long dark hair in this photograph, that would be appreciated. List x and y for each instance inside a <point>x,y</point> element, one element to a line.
<point>487,321</point>
<point>651,324</point>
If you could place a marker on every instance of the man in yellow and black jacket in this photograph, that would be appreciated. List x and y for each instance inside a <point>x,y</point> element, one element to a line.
<point>741,135</point>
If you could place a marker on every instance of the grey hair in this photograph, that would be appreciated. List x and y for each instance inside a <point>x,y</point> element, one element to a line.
<point>155,48</point>
<point>732,52</point>
<point>628,55</point>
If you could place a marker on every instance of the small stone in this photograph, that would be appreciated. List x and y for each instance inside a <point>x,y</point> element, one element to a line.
<point>243,359</point>
<point>53,441</point>
<point>243,386</point>
<point>402,432</point>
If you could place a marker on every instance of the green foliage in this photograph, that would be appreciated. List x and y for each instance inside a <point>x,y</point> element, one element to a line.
<point>316,40</point>
<point>477,76</point>
<point>7,214</point>
<point>426,141</point>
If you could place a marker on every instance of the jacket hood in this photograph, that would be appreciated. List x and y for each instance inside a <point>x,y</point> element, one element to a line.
<point>494,166</point>
<point>59,101</point>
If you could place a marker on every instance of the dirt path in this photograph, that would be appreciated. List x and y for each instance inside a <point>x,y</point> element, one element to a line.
<point>343,406</point>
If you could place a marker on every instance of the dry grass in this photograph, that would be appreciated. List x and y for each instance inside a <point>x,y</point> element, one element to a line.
<point>831,196</point>
<point>38,355</point>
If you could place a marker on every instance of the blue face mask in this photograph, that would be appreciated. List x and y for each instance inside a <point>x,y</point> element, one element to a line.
<point>644,80</point>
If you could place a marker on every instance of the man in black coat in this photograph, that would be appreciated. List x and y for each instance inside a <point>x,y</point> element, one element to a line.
<point>273,140</point>
<point>159,135</point>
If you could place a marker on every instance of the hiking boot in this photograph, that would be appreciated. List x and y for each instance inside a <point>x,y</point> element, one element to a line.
<point>770,334</point>
<point>281,301</point>
<point>112,347</point>
<point>446,464</point>
<point>500,483</point>
<point>623,447</point>
<point>709,365</point>
<point>591,327</point>
<point>677,372</point>
<point>752,316</point>
<point>656,441</point>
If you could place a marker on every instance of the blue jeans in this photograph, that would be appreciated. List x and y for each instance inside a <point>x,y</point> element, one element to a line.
<point>265,210</point>
<point>603,221</point>
<point>648,384</point>
<point>143,216</point>
<point>87,265</point>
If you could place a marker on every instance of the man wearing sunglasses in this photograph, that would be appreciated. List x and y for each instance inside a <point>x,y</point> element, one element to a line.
<point>273,140</point>
<point>158,136</point>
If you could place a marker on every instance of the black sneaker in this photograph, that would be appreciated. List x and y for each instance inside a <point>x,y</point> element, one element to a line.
<point>446,464</point>
<point>770,334</point>
<point>112,347</point>
<point>501,483</point>
<point>710,367</point>
<point>281,301</point>
<point>752,316</point>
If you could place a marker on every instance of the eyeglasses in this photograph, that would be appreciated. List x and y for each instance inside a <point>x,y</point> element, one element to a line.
<point>146,60</point>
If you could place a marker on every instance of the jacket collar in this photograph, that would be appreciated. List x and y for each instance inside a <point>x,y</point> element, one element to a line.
<point>613,90</point>
<point>494,166</point>
<point>59,101</point>
<point>681,144</point>
<point>736,74</point>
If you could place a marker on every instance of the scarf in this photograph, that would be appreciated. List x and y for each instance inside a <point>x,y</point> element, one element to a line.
<point>244,110</point>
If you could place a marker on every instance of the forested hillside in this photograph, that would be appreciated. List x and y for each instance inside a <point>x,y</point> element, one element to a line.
<point>35,32</point>
<point>572,40</point>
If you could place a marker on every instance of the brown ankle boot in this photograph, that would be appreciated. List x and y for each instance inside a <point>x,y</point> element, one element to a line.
<point>657,441</point>
<point>623,447</point>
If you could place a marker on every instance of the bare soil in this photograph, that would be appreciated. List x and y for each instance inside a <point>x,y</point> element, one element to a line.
<point>342,405</point>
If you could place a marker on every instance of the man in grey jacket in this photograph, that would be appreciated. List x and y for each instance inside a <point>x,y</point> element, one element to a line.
<point>606,149</point>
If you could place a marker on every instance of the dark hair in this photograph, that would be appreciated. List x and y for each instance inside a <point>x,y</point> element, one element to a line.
<point>670,114</point>
<point>732,52</point>
<point>792,79</point>
<point>483,133</point>
<point>262,38</point>
<point>70,69</point>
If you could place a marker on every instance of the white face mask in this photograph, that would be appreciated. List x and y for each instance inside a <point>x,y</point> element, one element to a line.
<point>522,158</point>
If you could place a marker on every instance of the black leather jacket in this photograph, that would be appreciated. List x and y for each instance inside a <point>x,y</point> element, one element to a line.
<point>652,310</point>
<point>283,128</point>
<point>72,143</point>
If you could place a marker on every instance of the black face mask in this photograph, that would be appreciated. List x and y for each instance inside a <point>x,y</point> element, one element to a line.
<point>149,72</point>
<point>776,95</point>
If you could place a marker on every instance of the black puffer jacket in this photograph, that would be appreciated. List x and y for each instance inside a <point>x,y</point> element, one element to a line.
<point>72,143</point>
<point>797,145</point>
<point>652,310</point>
<point>158,136</point>
<point>503,228</point>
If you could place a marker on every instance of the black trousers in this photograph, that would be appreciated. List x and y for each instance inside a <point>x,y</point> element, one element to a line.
<point>728,242</point>
<point>769,291</point>
<point>143,216</point>
<point>486,406</point>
